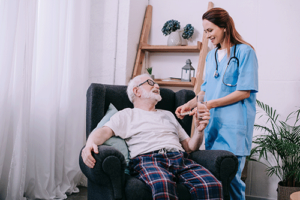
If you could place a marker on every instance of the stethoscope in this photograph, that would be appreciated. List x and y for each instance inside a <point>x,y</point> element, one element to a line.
<point>216,74</point>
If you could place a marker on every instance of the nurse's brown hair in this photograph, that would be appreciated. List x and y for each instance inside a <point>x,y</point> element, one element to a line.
<point>222,19</point>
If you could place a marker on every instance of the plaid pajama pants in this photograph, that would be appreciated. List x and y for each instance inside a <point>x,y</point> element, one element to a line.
<point>161,172</point>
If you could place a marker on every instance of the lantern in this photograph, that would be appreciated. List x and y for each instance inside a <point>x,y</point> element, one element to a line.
<point>186,73</point>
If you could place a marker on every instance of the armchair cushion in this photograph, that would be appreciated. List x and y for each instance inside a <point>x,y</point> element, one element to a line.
<point>109,113</point>
<point>116,142</point>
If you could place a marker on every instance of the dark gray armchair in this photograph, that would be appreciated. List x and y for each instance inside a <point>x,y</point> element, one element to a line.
<point>107,181</point>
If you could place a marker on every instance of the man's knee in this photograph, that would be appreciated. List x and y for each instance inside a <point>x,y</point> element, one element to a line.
<point>204,187</point>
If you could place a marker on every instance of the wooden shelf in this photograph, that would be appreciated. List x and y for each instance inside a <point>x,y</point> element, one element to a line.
<point>164,48</point>
<point>175,83</point>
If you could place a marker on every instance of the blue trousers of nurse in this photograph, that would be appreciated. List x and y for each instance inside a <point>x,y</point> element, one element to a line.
<point>237,189</point>
<point>158,171</point>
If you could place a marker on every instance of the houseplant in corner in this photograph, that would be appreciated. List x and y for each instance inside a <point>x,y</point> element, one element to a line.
<point>170,28</point>
<point>149,70</point>
<point>280,144</point>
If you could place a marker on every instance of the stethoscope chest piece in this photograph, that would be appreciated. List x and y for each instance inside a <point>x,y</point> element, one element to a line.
<point>216,74</point>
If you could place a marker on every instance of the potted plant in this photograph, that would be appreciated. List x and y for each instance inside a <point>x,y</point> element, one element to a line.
<point>186,33</point>
<point>170,28</point>
<point>149,70</point>
<point>280,144</point>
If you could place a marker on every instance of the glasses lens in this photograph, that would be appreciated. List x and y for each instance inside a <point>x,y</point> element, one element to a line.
<point>150,82</point>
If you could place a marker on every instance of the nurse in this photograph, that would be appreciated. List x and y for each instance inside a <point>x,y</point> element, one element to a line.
<point>230,87</point>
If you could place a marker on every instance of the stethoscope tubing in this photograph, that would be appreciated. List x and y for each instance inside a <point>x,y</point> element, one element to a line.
<point>216,74</point>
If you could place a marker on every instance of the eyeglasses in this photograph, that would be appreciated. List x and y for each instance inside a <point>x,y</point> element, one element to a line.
<point>149,81</point>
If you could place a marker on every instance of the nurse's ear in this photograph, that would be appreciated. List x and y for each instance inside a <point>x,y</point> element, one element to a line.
<point>224,30</point>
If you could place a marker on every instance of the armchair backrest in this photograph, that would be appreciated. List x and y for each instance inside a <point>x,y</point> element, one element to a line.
<point>99,96</point>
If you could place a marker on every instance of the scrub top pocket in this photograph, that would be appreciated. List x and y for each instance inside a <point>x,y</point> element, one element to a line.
<point>231,73</point>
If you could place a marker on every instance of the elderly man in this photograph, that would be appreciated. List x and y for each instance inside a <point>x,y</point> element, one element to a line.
<point>158,145</point>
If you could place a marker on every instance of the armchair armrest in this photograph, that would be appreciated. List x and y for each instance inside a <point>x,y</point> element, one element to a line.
<point>222,164</point>
<point>108,170</point>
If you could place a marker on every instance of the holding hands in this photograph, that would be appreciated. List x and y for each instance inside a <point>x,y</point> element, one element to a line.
<point>201,119</point>
<point>183,110</point>
<point>198,108</point>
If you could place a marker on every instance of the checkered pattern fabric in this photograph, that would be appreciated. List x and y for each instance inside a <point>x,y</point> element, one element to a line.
<point>161,172</point>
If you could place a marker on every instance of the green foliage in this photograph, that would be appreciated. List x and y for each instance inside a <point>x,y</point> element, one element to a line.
<point>279,146</point>
<point>170,26</point>
<point>188,31</point>
<point>149,70</point>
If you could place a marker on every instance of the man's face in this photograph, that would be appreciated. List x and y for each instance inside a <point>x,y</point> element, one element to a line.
<point>149,91</point>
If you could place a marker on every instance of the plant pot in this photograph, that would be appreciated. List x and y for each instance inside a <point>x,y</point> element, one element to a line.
<point>152,76</point>
<point>174,39</point>
<point>184,42</point>
<point>284,192</point>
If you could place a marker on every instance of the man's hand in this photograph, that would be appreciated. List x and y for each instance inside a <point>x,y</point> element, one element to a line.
<point>86,154</point>
<point>183,109</point>
<point>202,120</point>
<point>97,137</point>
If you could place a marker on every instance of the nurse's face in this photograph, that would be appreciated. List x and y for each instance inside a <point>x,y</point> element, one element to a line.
<point>213,32</point>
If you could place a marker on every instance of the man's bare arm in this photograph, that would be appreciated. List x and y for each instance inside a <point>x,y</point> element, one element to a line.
<point>97,137</point>
<point>194,143</point>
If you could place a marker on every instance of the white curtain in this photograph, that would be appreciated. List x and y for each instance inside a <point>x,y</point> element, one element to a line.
<point>43,82</point>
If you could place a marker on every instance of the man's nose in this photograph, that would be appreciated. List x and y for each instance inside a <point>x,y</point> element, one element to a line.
<point>156,85</point>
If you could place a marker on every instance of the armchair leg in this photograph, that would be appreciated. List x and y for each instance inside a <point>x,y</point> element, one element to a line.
<point>99,192</point>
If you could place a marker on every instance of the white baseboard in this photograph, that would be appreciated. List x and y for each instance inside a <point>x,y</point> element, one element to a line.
<point>258,198</point>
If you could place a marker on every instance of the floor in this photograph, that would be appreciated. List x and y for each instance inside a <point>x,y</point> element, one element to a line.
<point>82,195</point>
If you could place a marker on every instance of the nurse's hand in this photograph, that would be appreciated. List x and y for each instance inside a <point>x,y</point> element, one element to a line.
<point>202,121</point>
<point>182,110</point>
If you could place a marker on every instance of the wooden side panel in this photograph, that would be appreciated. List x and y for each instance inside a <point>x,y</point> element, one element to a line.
<point>202,57</point>
<point>143,41</point>
<point>201,64</point>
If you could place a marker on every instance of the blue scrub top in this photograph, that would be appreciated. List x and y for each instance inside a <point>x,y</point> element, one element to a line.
<point>231,127</point>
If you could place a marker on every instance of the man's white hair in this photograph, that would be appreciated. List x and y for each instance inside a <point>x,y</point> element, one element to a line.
<point>133,83</point>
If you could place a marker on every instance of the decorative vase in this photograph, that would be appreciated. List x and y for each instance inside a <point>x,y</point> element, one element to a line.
<point>174,39</point>
<point>152,76</point>
<point>184,42</point>
<point>285,192</point>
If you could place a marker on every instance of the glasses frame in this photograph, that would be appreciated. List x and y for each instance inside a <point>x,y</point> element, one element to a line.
<point>149,81</point>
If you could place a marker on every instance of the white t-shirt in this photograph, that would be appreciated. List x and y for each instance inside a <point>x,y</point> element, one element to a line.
<point>221,54</point>
<point>146,131</point>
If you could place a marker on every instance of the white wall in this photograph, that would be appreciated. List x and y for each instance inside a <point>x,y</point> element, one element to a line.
<point>271,26</point>
<point>136,12</point>
<point>114,36</point>
<point>103,40</point>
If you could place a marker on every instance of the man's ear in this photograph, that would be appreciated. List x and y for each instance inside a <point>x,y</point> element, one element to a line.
<point>136,92</point>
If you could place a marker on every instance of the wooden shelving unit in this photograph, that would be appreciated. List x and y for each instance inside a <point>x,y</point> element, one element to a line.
<point>200,48</point>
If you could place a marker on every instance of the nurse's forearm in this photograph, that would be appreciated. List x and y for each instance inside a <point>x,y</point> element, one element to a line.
<point>229,99</point>
<point>193,103</point>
